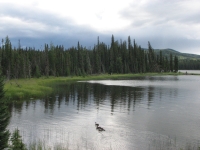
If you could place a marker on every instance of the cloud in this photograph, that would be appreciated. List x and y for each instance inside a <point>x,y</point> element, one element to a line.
<point>166,24</point>
<point>32,22</point>
<point>38,26</point>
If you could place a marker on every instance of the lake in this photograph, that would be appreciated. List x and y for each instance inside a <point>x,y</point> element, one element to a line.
<point>161,112</point>
<point>190,71</point>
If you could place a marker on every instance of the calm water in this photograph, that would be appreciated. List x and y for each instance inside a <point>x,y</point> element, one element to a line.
<point>190,71</point>
<point>142,113</point>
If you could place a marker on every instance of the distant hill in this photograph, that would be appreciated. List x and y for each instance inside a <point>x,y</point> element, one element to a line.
<point>166,52</point>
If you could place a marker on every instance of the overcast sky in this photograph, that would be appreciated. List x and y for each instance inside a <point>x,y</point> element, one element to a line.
<point>165,23</point>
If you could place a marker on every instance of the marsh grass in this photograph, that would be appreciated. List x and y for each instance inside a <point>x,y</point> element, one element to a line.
<point>28,88</point>
<point>19,89</point>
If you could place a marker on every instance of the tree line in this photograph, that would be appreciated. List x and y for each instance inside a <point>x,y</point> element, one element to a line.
<point>189,64</point>
<point>118,57</point>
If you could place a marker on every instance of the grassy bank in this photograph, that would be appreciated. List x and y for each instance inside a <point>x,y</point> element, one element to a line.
<point>19,89</point>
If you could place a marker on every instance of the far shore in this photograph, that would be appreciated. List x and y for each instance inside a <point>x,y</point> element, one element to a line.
<point>23,89</point>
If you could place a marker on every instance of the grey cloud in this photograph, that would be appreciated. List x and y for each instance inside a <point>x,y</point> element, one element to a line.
<point>64,26</point>
<point>33,15</point>
<point>166,24</point>
<point>173,11</point>
<point>68,33</point>
<point>163,11</point>
<point>149,22</point>
<point>193,18</point>
<point>86,39</point>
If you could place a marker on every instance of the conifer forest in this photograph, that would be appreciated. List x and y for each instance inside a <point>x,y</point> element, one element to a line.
<point>118,57</point>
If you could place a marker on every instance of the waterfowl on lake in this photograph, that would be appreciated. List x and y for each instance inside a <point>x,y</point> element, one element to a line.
<point>96,124</point>
<point>100,129</point>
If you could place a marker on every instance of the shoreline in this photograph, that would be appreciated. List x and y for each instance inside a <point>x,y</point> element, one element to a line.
<point>20,89</point>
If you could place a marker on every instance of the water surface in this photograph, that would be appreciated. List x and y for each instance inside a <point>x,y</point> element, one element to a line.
<point>141,113</point>
<point>190,71</point>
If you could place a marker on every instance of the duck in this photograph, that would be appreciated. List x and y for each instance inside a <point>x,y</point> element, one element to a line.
<point>96,124</point>
<point>100,129</point>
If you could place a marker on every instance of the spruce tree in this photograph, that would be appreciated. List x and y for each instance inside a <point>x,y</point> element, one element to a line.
<point>4,118</point>
<point>176,64</point>
<point>171,63</point>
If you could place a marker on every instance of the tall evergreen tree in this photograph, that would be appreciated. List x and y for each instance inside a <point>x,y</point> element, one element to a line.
<point>46,60</point>
<point>171,63</point>
<point>161,59</point>
<point>154,67</point>
<point>176,64</point>
<point>111,56</point>
<point>7,57</point>
<point>4,118</point>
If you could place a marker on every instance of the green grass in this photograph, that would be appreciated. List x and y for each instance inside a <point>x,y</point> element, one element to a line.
<point>25,88</point>
<point>19,89</point>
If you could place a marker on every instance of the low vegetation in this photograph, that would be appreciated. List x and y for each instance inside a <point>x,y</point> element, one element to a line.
<point>39,87</point>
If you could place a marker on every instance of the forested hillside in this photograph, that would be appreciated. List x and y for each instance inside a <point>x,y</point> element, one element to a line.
<point>186,61</point>
<point>167,52</point>
<point>119,57</point>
